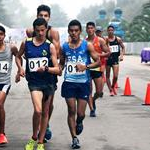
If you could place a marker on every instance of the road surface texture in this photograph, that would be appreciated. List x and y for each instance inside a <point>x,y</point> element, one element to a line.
<point>122,122</point>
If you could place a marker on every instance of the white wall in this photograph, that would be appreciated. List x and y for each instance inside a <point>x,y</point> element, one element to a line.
<point>136,47</point>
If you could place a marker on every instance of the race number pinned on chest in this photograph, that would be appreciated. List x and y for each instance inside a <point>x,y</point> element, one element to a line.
<point>35,63</point>
<point>71,69</point>
<point>114,48</point>
<point>4,66</point>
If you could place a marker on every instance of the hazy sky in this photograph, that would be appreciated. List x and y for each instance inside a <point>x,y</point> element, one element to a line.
<point>71,7</point>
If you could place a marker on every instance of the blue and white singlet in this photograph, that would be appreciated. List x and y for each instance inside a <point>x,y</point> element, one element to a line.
<point>73,57</point>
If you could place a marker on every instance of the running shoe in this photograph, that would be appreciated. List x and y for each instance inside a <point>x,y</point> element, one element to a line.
<point>75,143</point>
<point>30,145</point>
<point>111,93</point>
<point>48,134</point>
<point>45,140</point>
<point>101,94</point>
<point>92,113</point>
<point>40,146</point>
<point>3,139</point>
<point>79,128</point>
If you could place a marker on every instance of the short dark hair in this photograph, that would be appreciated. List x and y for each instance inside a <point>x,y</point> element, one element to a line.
<point>2,29</point>
<point>75,23</point>
<point>39,22</point>
<point>90,23</point>
<point>44,8</point>
<point>110,26</point>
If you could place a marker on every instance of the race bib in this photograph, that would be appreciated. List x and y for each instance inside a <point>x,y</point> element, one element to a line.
<point>4,66</point>
<point>114,48</point>
<point>35,63</point>
<point>71,69</point>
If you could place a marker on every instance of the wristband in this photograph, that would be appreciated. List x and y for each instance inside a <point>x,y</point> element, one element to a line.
<point>87,67</point>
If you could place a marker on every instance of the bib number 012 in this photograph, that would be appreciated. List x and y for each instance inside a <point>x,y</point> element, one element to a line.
<point>35,63</point>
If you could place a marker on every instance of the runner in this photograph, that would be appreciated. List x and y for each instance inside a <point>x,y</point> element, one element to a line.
<point>44,11</point>
<point>6,56</point>
<point>38,51</point>
<point>117,49</point>
<point>96,73</point>
<point>99,32</point>
<point>76,55</point>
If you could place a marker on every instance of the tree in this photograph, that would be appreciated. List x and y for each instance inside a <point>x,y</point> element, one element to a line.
<point>58,17</point>
<point>92,12</point>
<point>131,8</point>
<point>4,17</point>
<point>18,14</point>
<point>88,14</point>
<point>21,18</point>
<point>139,28</point>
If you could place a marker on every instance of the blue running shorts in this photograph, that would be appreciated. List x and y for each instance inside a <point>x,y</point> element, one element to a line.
<point>75,90</point>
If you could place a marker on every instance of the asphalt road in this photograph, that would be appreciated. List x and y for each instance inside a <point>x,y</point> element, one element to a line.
<point>122,123</point>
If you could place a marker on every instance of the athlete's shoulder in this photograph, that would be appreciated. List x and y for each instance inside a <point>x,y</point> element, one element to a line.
<point>53,31</point>
<point>118,38</point>
<point>102,40</point>
<point>106,37</point>
<point>13,48</point>
<point>96,39</point>
<point>29,32</point>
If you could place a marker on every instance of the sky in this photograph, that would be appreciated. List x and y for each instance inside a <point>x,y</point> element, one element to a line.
<point>71,7</point>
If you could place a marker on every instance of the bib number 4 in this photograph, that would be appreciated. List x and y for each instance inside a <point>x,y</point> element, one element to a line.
<point>4,66</point>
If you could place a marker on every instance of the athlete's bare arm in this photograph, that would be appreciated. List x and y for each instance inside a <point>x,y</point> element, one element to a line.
<point>122,52</point>
<point>18,59</point>
<point>29,32</point>
<point>62,60</point>
<point>14,49</point>
<point>54,34</point>
<point>104,47</point>
<point>55,69</point>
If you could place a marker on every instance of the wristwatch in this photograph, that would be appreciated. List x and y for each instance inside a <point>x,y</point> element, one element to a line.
<point>46,68</point>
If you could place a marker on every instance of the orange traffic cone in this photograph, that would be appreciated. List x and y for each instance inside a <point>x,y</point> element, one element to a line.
<point>127,90</point>
<point>147,97</point>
